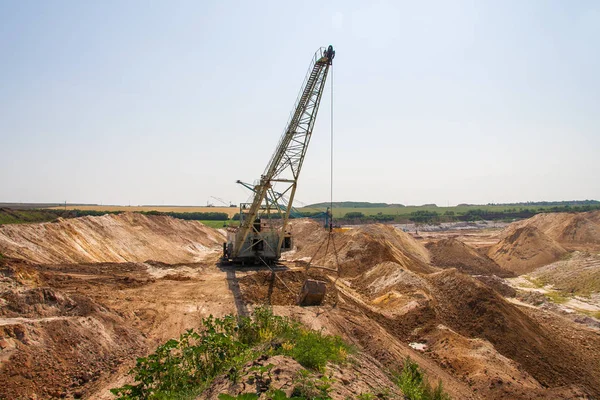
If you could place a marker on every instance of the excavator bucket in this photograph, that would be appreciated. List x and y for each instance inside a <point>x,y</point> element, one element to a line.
<point>312,293</point>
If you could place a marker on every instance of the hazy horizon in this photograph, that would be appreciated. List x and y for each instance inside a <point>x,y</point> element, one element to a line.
<point>170,103</point>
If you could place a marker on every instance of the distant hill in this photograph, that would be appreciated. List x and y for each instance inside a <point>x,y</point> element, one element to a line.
<point>550,203</point>
<point>366,204</point>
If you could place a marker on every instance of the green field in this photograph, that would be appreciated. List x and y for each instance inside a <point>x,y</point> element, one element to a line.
<point>403,213</point>
<point>220,224</point>
<point>8,216</point>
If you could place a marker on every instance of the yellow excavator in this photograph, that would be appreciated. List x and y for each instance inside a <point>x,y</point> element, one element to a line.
<point>263,232</point>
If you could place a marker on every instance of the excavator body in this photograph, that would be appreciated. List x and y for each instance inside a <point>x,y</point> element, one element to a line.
<point>263,233</point>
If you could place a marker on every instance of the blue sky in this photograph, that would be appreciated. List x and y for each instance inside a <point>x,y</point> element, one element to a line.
<point>134,102</point>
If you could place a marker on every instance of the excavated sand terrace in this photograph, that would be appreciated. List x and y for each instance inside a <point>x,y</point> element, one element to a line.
<point>81,298</point>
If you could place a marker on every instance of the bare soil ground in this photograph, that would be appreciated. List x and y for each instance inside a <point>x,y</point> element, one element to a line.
<point>79,301</point>
<point>573,231</point>
<point>128,237</point>
<point>452,253</point>
<point>524,249</point>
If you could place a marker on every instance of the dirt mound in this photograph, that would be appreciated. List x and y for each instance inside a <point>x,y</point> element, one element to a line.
<point>493,373</point>
<point>594,216</point>
<point>44,302</point>
<point>524,249</point>
<point>452,253</point>
<point>498,284</point>
<point>573,231</point>
<point>473,310</point>
<point>110,238</point>
<point>580,233</point>
<point>57,345</point>
<point>359,249</point>
<point>264,287</point>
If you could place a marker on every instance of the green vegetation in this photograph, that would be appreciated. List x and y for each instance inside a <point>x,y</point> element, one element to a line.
<point>10,216</point>
<point>556,297</point>
<point>275,395</point>
<point>194,216</point>
<point>353,204</point>
<point>354,215</point>
<point>219,224</point>
<point>415,386</point>
<point>432,214</point>
<point>183,368</point>
<point>307,386</point>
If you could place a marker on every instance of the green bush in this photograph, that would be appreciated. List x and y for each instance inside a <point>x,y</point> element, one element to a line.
<point>354,215</point>
<point>415,386</point>
<point>307,386</point>
<point>314,350</point>
<point>182,368</point>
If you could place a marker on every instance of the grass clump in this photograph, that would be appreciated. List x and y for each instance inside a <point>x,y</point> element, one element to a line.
<point>307,386</point>
<point>182,368</point>
<point>556,297</point>
<point>414,384</point>
<point>313,349</point>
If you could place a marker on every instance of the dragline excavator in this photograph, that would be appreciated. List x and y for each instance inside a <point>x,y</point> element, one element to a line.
<point>263,232</point>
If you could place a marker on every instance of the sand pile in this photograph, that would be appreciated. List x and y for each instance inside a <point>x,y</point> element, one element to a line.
<point>413,307</point>
<point>573,231</point>
<point>359,249</point>
<point>473,310</point>
<point>490,372</point>
<point>593,216</point>
<point>452,253</point>
<point>524,249</point>
<point>125,237</point>
<point>580,233</point>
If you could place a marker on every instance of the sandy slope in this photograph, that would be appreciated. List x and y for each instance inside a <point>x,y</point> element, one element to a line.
<point>448,253</point>
<point>358,249</point>
<point>573,231</point>
<point>525,248</point>
<point>128,237</point>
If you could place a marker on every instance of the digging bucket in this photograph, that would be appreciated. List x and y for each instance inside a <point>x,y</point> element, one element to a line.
<point>312,293</point>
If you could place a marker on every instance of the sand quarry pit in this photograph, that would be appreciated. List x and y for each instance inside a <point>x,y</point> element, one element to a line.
<point>80,299</point>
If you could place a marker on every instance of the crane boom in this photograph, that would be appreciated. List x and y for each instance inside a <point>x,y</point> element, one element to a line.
<point>250,240</point>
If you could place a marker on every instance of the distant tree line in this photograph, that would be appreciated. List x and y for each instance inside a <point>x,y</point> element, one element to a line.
<point>357,216</point>
<point>550,203</point>
<point>354,217</point>
<point>478,214</point>
<point>190,216</point>
<point>433,217</point>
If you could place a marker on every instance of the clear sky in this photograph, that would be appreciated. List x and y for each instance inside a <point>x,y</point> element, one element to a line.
<point>137,102</point>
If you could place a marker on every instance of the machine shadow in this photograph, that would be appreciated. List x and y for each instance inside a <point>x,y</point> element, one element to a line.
<point>233,282</point>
